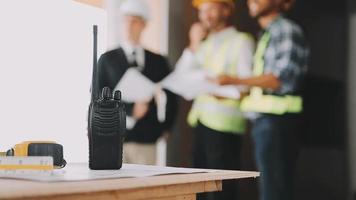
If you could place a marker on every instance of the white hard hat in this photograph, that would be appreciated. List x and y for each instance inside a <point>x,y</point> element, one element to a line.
<point>137,8</point>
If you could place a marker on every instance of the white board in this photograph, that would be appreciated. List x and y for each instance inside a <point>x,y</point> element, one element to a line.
<point>45,72</point>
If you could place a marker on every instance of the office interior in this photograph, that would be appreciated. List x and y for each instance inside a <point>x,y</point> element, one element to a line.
<point>326,167</point>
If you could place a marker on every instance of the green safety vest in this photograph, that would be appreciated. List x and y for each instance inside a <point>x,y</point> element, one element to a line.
<point>222,115</point>
<point>269,104</point>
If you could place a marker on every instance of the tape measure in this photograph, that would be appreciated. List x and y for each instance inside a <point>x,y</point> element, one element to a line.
<point>9,163</point>
<point>37,149</point>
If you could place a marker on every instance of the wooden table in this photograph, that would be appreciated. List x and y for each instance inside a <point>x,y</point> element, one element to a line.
<point>165,187</point>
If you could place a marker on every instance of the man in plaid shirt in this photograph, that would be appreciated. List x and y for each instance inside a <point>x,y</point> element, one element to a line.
<point>279,64</point>
<point>286,55</point>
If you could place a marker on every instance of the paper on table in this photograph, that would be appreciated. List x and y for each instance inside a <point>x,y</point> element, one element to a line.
<point>135,87</point>
<point>192,83</point>
<point>81,172</point>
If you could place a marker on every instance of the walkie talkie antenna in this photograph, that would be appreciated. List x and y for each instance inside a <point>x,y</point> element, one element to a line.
<point>95,78</point>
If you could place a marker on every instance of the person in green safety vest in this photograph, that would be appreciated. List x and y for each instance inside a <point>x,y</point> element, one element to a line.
<point>274,102</point>
<point>217,48</point>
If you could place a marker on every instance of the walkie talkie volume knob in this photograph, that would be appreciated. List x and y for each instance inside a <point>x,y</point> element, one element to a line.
<point>106,93</point>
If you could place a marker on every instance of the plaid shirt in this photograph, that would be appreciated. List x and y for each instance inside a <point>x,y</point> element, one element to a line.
<point>286,55</point>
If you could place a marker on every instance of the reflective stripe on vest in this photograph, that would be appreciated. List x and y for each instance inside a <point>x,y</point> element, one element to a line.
<point>219,114</point>
<point>257,101</point>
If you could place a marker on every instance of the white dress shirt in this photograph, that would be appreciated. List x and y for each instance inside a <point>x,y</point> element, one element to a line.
<point>136,53</point>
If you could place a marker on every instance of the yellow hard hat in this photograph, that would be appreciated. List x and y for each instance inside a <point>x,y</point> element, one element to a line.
<point>197,3</point>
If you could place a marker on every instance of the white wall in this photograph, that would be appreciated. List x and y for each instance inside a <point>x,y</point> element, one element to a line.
<point>45,72</point>
<point>113,35</point>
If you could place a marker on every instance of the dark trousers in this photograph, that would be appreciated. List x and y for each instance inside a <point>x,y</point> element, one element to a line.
<point>217,150</point>
<point>276,148</point>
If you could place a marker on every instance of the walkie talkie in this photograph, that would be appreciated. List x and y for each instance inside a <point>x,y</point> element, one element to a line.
<point>106,123</point>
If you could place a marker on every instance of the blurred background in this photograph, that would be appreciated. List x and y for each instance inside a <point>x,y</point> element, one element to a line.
<point>54,41</point>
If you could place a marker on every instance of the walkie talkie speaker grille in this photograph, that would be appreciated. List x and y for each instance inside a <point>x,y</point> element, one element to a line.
<point>106,134</point>
<point>106,124</point>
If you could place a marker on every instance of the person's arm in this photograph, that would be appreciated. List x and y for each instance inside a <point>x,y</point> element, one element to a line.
<point>139,110</point>
<point>266,81</point>
<point>244,71</point>
<point>290,59</point>
<point>170,110</point>
<point>167,101</point>
<point>188,59</point>
<point>197,34</point>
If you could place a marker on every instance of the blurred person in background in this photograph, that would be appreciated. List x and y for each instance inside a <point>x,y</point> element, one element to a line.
<point>274,100</point>
<point>217,48</point>
<point>146,120</point>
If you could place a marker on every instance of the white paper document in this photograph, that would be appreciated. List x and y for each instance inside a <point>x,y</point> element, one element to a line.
<point>81,172</point>
<point>192,83</point>
<point>135,87</point>
<point>189,84</point>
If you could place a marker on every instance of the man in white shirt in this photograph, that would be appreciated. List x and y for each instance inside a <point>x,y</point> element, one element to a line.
<point>147,119</point>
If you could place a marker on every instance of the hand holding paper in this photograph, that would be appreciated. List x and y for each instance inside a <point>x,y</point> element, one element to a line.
<point>194,82</point>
